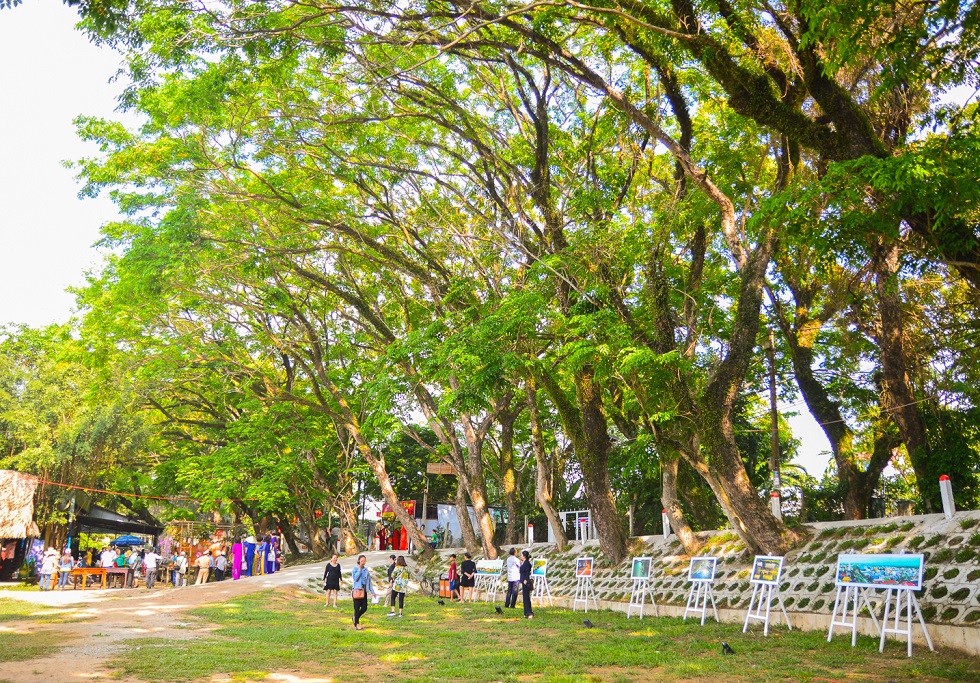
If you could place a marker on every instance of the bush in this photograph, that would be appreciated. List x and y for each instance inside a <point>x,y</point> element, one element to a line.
<point>917,541</point>
<point>960,595</point>
<point>949,614</point>
<point>951,573</point>
<point>965,555</point>
<point>939,592</point>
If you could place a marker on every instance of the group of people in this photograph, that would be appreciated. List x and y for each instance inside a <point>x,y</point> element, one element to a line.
<point>214,562</point>
<point>462,583</point>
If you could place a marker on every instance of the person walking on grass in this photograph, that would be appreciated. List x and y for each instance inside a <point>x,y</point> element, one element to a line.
<point>360,587</point>
<point>389,597</point>
<point>526,583</point>
<point>64,569</point>
<point>468,577</point>
<point>453,579</point>
<point>400,578</point>
<point>513,579</point>
<point>331,580</point>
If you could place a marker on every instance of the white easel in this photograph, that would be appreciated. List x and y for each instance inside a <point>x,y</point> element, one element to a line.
<point>910,604</point>
<point>697,599</point>
<point>699,596</point>
<point>584,593</point>
<point>641,586</point>
<point>541,589</point>
<point>640,589</point>
<point>854,596</point>
<point>762,593</point>
<point>489,584</point>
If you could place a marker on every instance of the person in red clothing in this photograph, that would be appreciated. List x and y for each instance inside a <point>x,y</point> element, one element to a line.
<point>453,578</point>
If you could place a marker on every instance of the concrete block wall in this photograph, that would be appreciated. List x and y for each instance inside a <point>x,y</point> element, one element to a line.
<point>950,598</point>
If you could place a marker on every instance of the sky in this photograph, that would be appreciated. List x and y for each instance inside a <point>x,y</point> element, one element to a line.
<point>51,75</point>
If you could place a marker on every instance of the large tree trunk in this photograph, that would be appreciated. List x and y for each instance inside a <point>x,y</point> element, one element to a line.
<point>543,473</point>
<point>508,475</point>
<point>672,506</point>
<point>348,526</point>
<point>891,341</point>
<point>287,534</point>
<point>476,487</point>
<point>594,461</point>
<point>462,513</point>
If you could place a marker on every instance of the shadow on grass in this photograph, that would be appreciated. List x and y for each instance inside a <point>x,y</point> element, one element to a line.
<point>293,634</point>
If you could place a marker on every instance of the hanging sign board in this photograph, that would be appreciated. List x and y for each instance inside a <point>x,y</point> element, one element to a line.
<point>766,569</point>
<point>880,571</point>
<point>440,468</point>
<point>702,569</point>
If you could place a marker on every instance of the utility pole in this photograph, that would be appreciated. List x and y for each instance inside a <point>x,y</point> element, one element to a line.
<point>777,508</point>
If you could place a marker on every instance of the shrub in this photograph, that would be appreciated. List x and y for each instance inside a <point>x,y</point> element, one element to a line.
<point>818,604</point>
<point>974,575</point>
<point>929,612</point>
<point>907,526</point>
<point>819,557</point>
<point>806,601</point>
<point>916,542</point>
<point>951,573</point>
<point>949,614</point>
<point>972,616</point>
<point>823,570</point>
<point>808,572</point>
<point>893,541</point>
<point>960,595</point>
<point>939,592</point>
<point>968,523</point>
<point>965,554</point>
<point>815,546</point>
<point>943,555</point>
<point>930,572</point>
<point>975,539</point>
<point>933,540</point>
<point>827,587</point>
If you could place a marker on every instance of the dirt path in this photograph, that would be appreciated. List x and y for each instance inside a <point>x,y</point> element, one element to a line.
<point>108,618</point>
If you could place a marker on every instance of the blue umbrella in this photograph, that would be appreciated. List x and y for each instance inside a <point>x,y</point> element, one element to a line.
<point>127,540</point>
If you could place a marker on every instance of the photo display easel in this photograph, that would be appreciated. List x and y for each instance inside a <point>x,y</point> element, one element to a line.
<point>766,570</point>
<point>539,573</point>
<point>899,575</point>
<point>583,584</point>
<point>640,575</point>
<point>701,574</point>
<point>488,573</point>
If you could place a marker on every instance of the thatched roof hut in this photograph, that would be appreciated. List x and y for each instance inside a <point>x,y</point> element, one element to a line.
<point>17,505</point>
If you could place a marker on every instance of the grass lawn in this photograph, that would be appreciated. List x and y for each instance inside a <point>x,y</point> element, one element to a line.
<point>292,633</point>
<point>19,647</point>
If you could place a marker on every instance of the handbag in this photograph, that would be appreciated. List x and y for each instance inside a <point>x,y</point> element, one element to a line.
<point>358,593</point>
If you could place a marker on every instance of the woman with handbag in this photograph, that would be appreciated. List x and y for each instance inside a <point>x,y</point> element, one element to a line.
<point>400,578</point>
<point>527,584</point>
<point>361,586</point>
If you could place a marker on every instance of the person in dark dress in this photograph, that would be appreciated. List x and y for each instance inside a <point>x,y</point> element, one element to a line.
<point>467,579</point>
<point>526,584</point>
<point>331,580</point>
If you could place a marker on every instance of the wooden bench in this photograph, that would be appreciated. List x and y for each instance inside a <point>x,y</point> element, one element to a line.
<point>85,572</point>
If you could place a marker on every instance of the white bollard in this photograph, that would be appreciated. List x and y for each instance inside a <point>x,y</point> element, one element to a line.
<point>583,525</point>
<point>946,489</point>
<point>777,507</point>
<point>530,534</point>
<point>666,520</point>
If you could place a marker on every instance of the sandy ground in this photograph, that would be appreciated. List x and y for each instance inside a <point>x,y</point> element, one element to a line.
<point>118,615</point>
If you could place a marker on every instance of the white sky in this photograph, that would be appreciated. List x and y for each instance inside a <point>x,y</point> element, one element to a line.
<point>52,74</point>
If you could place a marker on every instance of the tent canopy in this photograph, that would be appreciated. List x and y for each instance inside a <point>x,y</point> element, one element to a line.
<point>17,505</point>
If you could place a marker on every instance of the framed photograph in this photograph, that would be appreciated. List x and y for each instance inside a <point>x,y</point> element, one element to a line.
<point>583,568</point>
<point>539,567</point>
<point>766,569</point>
<point>641,568</point>
<point>702,569</point>
<point>489,567</point>
<point>880,571</point>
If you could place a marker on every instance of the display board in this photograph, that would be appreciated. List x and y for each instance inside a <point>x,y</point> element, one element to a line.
<point>641,568</point>
<point>583,568</point>
<point>766,569</point>
<point>880,571</point>
<point>489,567</point>
<point>539,567</point>
<point>702,569</point>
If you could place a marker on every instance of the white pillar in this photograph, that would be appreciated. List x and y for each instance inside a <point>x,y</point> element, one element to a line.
<point>583,523</point>
<point>530,534</point>
<point>666,520</point>
<point>946,489</point>
<point>777,507</point>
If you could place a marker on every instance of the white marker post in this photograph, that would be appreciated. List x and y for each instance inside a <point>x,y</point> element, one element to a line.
<point>946,489</point>
<point>666,521</point>
<point>776,504</point>
<point>530,534</point>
